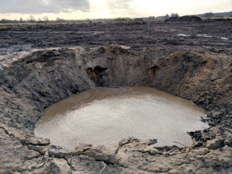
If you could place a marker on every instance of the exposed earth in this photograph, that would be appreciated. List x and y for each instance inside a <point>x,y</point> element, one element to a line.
<point>41,65</point>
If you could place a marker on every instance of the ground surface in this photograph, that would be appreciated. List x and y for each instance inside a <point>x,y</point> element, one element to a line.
<point>40,66</point>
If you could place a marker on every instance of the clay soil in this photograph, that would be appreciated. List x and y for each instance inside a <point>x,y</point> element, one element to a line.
<point>43,64</point>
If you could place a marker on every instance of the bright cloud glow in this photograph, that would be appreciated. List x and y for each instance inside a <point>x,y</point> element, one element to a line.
<point>81,9</point>
<point>99,9</point>
<point>181,7</point>
<point>45,2</point>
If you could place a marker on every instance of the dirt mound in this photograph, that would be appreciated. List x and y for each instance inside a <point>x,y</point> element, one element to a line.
<point>184,19</point>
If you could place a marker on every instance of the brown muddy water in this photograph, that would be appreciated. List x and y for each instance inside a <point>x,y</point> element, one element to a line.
<point>104,116</point>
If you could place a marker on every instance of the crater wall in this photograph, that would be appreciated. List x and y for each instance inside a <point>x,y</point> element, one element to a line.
<point>30,84</point>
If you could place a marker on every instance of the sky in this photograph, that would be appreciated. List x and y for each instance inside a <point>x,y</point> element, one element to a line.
<point>82,9</point>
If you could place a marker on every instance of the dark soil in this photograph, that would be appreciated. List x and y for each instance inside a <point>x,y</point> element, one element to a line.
<point>184,19</point>
<point>42,65</point>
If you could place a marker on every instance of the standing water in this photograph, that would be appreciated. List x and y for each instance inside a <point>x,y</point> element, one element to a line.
<point>104,116</point>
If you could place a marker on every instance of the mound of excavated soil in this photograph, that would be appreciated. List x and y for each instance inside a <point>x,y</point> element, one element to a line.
<point>184,19</point>
<point>31,83</point>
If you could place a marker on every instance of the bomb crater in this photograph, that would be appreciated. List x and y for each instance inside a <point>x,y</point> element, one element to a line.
<point>196,69</point>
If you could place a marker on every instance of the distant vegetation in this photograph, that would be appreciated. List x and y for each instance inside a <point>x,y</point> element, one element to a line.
<point>211,14</point>
<point>45,19</point>
<point>174,15</point>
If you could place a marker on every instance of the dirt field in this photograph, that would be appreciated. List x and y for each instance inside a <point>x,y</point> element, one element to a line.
<point>41,65</point>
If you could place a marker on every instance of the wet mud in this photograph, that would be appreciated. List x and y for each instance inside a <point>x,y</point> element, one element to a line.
<point>16,40</point>
<point>194,68</point>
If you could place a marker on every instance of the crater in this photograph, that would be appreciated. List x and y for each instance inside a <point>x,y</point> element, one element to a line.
<point>117,89</point>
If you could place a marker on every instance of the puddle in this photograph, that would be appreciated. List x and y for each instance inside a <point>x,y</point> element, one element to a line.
<point>104,116</point>
<point>201,35</point>
<point>184,35</point>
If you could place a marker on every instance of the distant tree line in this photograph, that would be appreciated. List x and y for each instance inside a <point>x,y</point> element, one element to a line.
<point>31,19</point>
<point>5,21</point>
<point>174,15</point>
<point>211,14</point>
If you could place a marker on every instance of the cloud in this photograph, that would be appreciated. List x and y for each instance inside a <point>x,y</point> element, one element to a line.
<point>80,9</point>
<point>119,4</point>
<point>182,7</point>
<point>42,6</point>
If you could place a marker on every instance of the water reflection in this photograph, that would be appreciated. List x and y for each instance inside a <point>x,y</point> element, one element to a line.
<point>104,116</point>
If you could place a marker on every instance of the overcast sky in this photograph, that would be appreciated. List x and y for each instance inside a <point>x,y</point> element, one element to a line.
<point>81,9</point>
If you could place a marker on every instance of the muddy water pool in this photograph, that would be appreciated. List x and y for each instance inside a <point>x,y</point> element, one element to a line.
<point>104,116</point>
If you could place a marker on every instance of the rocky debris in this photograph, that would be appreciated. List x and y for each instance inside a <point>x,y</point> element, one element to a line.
<point>84,164</point>
<point>174,160</point>
<point>36,141</point>
<point>40,149</point>
<point>221,138</point>
<point>14,154</point>
<point>83,147</point>
<point>132,156</point>
<point>47,159</point>
<point>58,152</point>
<point>101,153</point>
<point>61,166</point>
<point>202,151</point>
<point>215,143</point>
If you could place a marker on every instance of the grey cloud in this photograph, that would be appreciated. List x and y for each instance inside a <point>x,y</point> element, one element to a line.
<point>119,4</point>
<point>34,7</point>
